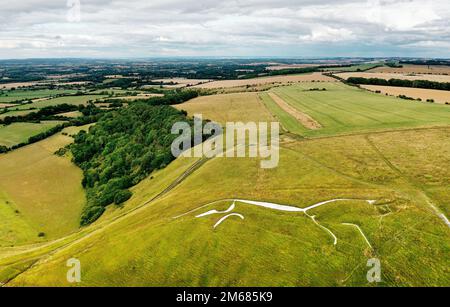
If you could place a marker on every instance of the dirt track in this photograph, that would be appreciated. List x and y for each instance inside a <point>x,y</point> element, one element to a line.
<point>306,120</point>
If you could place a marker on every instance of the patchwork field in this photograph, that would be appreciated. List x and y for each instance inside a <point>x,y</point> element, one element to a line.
<point>318,77</point>
<point>39,192</point>
<point>169,245</point>
<point>355,191</point>
<point>387,76</point>
<point>17,133</point>
<point>424,94</point>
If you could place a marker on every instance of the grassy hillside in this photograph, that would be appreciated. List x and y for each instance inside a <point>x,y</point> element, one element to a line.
<point>148,246</point>
<point>45,190</point>
<point>156,238</point>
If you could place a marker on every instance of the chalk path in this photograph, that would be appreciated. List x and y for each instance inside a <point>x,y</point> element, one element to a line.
<point>360,230</point>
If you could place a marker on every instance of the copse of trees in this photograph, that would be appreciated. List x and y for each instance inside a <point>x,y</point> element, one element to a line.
<point>401,83</point>
<point>47,113</point>
<point>124,147</point>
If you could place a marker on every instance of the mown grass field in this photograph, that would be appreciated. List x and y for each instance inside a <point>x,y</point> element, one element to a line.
<point>148,246</point>
<point>343,109</point>
<point>45,190</point>
<point>17,133</point>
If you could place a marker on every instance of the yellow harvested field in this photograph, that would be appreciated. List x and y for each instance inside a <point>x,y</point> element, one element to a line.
<point>424,94</point>
<point>414,69</point>
<point>318,77</point>
<point>237,107</point>
<point>6,105</point>
<point>73,114</point>
<point>8,86</point>
<point>306,120</point>
<point>387,76</point>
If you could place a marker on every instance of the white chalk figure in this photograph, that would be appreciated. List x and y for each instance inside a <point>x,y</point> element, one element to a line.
<point>279,208</point>
<point>227,216</point>
<point>218,212</point>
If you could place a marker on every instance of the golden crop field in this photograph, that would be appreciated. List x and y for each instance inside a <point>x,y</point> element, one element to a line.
<point>414,69</point>
<point>387,76</point>
<point>228,107</point>
<point>416,93</point>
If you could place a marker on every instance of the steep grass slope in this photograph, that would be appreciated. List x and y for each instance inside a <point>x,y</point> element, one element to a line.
<point>149,246</point>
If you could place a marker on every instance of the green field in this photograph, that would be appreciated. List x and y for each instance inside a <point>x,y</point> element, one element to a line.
<point>9,96</point>
<point>15,113</point>
<point>343,109</point>
<point>17,133</point>
<point>39,192</point>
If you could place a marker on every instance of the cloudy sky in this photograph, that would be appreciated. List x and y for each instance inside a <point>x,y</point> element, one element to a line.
<point>147,28</point>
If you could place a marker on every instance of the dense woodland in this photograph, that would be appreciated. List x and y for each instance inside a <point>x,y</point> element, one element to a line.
<point>124,147</point>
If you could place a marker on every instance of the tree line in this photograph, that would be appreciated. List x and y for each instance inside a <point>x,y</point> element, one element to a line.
<point>445,86</point>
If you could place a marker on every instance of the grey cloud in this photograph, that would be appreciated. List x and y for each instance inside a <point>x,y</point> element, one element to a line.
<point>210,27</point>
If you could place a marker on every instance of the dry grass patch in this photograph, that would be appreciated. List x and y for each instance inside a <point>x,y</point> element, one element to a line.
<point>306,120</point>
<point>45,189</point>
<point>8,86</point>
<point>243,107</point>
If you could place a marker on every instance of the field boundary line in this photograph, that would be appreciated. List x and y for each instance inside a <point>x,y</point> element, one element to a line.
<point>306,120</point>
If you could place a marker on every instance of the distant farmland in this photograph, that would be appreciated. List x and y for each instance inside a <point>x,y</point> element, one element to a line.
<point>414,69</point>
<point>387,76</point>
<point>266,80</point>
<point>74,100</point>
<point>423,94</point>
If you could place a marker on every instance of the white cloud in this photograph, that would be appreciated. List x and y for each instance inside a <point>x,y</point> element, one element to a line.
<point>213,27</point>
<point>328,34</point>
